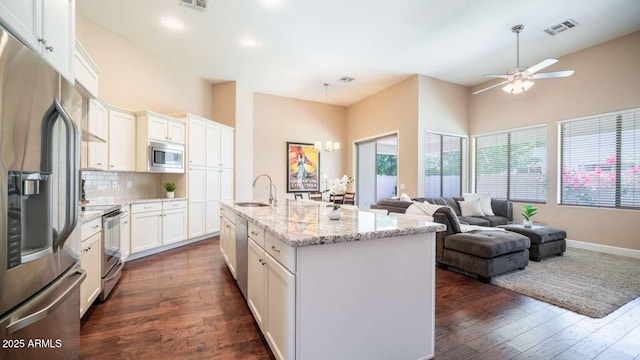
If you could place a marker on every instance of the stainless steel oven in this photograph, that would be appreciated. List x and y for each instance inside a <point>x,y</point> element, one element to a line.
<point>166,158</point>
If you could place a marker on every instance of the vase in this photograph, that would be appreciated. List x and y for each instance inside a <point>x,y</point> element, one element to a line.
<point>171,194</point>
<point>527,223</point>
<point>335,214</point>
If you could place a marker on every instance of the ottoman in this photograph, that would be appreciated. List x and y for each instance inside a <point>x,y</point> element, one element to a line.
<point>485,253</point>
<point>545,241</point>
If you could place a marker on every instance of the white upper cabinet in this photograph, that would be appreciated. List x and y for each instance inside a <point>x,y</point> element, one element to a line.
<point>122,141</point>
<point>97,124</point>
<point>197,141</point>
<point>86,71</point>
<point>226,147</point>
<point>157,127</point>
<point>47,27</point>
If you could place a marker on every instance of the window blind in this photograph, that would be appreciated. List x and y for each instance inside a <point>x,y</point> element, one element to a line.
<point>600,160</point>
<point>512,164</point>
<point>443,164</point>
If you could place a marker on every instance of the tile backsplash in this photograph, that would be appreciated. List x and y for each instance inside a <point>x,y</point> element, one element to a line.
<point>107,187</point>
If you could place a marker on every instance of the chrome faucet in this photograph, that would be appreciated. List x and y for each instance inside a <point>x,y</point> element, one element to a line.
<point>272,200</point>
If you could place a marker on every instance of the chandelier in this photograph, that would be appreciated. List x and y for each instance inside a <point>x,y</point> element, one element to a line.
<point>329,145</point>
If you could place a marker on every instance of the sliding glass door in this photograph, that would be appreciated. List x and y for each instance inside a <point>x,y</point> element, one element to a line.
<point>377,170</point>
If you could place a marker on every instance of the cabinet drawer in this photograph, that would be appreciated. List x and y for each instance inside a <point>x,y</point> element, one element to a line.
<point>178,204</point>
<point>92,227</point>
<point>283,253</point>
<point>90,241</point>
<point>125,210</point>
<point>146,207</point>
<point>228,213</point>
<point>256,234</point>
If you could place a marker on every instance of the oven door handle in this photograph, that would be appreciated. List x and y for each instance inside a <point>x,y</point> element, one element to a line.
<point>112,218</point>
<point>115,271</point>
<point>46,310</point>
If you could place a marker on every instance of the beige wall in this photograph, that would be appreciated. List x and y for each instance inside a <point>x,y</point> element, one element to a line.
<point>136,79</point>
<point>444,108</point>
<point>607,78</point>
<point>277,120</point>
<point>224,103</point>
<point>394,109</point>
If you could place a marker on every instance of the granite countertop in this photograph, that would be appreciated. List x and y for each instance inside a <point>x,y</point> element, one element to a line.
<point>305,222</point>
<point>86,216</point>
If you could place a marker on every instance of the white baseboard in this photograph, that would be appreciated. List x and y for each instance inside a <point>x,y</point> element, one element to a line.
<point>604,248</point>
<point>169,247</point>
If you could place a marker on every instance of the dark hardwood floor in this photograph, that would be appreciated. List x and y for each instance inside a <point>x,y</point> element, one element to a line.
<point>184,304</point>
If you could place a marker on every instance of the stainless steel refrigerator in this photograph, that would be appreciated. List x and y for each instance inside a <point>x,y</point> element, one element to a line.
<point>40,274</point>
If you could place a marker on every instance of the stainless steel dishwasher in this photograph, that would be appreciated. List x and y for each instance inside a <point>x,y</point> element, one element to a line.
<point>242,253</point>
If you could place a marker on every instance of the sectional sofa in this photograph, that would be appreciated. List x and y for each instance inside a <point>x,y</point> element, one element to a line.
<point>482,254</point>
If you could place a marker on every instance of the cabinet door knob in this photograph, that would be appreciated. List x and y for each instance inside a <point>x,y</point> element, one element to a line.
<point>50,48</point>
<point>42,40</point>
<point>99,164</point>
<point>112,166</point>
<point>275,248</point>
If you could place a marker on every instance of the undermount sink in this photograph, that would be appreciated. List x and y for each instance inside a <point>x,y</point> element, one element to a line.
<point>251,204</point>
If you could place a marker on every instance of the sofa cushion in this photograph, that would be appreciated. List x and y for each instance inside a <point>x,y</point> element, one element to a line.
<point>474,220</point>
<point>495,220</point>
<point>451,216</point>
<point>487,244</point>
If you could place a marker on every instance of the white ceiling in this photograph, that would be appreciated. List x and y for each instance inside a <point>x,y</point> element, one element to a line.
<point>305,43</point>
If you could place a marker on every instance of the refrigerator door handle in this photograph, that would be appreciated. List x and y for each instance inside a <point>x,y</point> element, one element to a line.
<point>73,164</point>
<point>34,317</point>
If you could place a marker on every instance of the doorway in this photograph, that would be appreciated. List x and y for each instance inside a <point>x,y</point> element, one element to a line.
<point>376,169</point>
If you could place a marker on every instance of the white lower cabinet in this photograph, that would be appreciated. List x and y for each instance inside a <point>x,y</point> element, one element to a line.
<point>174,221</point>
<point>146,226</point>
<point>228,243</point>
<point>90,260</point>
<point>271,298</point>
<point>156,224</point>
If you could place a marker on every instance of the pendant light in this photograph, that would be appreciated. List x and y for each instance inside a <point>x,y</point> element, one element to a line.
<point>329,145</point>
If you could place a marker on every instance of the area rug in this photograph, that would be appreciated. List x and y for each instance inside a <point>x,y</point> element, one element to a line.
<point>587,282</point>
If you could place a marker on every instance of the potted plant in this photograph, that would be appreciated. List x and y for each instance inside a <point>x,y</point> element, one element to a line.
<point>170,187</point>
<point>527,212</point>
<point>335,213</point>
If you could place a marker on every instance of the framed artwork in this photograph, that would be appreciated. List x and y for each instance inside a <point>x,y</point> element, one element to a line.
<point>303,167</point>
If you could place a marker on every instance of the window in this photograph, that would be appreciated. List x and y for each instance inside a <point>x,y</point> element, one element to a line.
<point>513,164</point>
<point>443,165</point>
<point>600,160</point>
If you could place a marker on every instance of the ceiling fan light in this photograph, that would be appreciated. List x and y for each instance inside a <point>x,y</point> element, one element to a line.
<point>508,88</point>
<point>527,85</point>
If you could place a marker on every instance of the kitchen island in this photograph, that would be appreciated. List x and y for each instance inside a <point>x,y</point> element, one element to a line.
<point>357,288</point>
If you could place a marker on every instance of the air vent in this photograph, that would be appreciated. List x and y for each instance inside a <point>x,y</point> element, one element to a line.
<point>563,26</point>
<point>195,4</point>
<point>346,79</point>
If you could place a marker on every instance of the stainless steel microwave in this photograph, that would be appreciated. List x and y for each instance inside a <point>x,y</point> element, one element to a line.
<point>165,158</point>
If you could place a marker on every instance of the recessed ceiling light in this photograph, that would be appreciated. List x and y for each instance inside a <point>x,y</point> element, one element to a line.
<point>250,43</point>
<point>172,23</point>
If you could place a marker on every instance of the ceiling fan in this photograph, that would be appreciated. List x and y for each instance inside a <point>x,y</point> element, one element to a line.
<point>520,80</point>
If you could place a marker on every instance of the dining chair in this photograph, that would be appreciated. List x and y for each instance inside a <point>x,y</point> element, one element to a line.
<point>316,196</point>
<point>297,196</point>
<point>337,198</point>
<point>350,198</point>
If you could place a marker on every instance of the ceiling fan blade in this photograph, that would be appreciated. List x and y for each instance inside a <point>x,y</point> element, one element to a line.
<point>555,74</point>
<point>491,87</point>
<point>541,65</point>
<point>497,76</point>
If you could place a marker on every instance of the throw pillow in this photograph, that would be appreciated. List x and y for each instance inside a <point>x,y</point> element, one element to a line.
<point>405,197</point>
<point>471,208</point>
<point>485,201</point>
